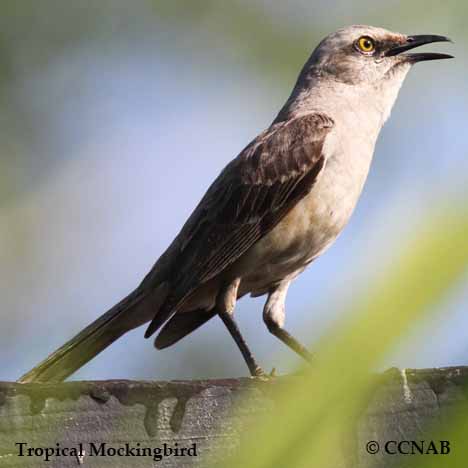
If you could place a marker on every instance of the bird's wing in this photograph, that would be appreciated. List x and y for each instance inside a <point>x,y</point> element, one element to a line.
<point>250,196</point>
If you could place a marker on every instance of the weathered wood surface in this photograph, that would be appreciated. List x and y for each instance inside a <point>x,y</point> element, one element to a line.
<point>205,413</point>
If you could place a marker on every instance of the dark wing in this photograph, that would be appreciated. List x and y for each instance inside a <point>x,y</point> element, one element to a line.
<point>251,195</point>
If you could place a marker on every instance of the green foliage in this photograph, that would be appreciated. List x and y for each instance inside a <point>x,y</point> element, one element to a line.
<point>314,418</point>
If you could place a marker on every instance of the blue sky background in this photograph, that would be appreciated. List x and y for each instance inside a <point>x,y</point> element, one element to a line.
<point>117,117</point>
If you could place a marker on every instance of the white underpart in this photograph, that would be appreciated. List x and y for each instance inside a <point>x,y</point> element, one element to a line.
<point>275,305</point>
<point>390,89</point>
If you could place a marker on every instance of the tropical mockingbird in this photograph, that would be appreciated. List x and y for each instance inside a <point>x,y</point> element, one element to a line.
<point>273,209</point>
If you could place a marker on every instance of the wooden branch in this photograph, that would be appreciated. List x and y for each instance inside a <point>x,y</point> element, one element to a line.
<point>194,418</point>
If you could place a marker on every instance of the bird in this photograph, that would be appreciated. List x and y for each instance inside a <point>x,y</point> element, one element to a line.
<point>272,210</point>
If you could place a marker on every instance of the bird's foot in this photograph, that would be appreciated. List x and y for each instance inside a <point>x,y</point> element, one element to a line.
<point>259,373</point>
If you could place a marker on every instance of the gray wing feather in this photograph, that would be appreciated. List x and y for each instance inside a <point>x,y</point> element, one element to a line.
<point>250,196</point>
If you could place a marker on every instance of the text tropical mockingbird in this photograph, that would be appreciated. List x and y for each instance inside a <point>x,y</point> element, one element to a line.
<point>273,209</point>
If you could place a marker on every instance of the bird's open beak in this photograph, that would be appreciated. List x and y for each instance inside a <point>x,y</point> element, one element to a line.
<point>416,41</point>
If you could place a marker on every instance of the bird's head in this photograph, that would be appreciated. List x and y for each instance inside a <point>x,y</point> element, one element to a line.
<point>357,67</point>
<point>365,54</point>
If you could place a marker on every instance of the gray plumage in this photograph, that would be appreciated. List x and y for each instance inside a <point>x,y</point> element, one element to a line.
<point>273,209</point>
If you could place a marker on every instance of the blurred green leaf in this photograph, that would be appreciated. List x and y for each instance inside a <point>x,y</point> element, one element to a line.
<point>313,418</point>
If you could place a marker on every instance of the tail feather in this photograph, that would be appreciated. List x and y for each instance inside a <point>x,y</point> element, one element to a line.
<point>136,309</point>
<point>180,325</point>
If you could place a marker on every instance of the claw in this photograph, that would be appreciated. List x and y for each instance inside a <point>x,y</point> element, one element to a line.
<point>262,375</point>
<point>259,373</point>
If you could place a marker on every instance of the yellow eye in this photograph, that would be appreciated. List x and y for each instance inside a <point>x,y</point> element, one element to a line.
<point>366,44</point>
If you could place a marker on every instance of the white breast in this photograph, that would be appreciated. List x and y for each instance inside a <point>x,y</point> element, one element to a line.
<point>315,222</point>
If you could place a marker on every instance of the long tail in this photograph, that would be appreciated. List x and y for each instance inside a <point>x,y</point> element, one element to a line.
<point>136,309</point>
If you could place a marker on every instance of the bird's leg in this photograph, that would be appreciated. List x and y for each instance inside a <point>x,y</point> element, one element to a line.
<point>225,304</point>
<point>273,316</point>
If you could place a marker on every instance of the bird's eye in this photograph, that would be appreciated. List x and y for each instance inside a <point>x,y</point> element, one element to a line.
<point>366,45</point>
